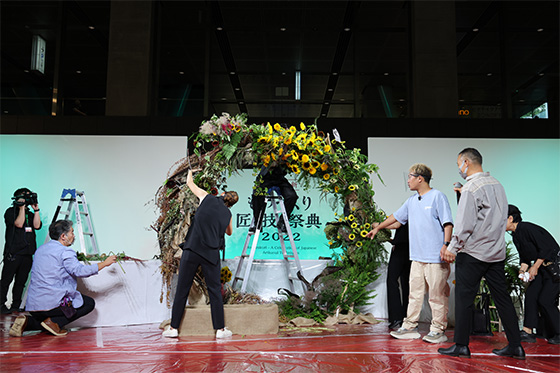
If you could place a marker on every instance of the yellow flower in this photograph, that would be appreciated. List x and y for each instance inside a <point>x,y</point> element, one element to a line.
<point>363,233</point>
<point>277,127</point>
<point>327,148</point>
<point>269,128</point>
<point>288,140</point>
<point>324,167</point>
<point>350,217</point>
<point>304,158</point>
<point>295,155</point>
<point>292,129</point>
<point>367,226</point>
<point>262,140</point>
<point>359,244</point>
<point>336,189</point>
<point>352,187</point>
<point>280,151</point>
<point>336,171</point>
<point>266,160</point>
<point>326,176</point>
<point>354,225</point>
<point>295,169</point>
<point>302,126</point>
<point>312,170</point>
<point>352,236</point>
<point>306,165</point>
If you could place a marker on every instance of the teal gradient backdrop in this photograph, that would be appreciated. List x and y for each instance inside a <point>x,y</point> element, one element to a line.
<point>529,170</point>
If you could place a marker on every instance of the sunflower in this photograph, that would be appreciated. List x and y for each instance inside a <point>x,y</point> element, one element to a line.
<point>336,189</point>
<point>295,155</point>
<point>278,127</point>
<point>327,148</point>
<point>304,158</point>
<point>352,187</point>
<point>354,225</point>
<point>326,176</point>
<point>312,170</point>
<point>336,171</point>
<point>306,165</point>
<point>302,126</point>
<point>324,167</point>
<point>225,275</point>
<point>363,233</point>
<point>351,236</point>
<point>351,217</point>
<point>359,244</point>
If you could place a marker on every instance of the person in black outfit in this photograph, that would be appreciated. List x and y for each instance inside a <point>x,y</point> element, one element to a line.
<point>20,245</point>
<point>398,268</point>
<point>202,248</point>
<point>269,177</point>
<point>536,245</point>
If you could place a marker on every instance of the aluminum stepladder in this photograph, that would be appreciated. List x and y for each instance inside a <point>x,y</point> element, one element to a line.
<point>279,209</point>
<point>77,199</point>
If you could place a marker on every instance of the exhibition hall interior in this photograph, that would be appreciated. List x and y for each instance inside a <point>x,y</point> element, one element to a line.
<point>330,101</point>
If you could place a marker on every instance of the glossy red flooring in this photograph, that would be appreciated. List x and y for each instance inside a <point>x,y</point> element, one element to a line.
<point>344,348</point>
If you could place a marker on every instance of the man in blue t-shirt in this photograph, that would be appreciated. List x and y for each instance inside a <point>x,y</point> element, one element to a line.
<point>430,225</point>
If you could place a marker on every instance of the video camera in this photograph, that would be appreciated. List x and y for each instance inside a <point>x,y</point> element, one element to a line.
<point>30,199</point>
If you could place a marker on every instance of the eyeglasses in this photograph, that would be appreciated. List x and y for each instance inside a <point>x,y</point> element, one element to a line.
<point>413,175</point>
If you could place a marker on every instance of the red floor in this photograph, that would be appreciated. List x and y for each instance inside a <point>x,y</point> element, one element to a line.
<point>343,348</point>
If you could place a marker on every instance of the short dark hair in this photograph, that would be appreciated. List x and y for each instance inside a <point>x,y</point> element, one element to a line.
<point>514,212</point>
<point>59,227</point>
<point>21,191</point>
<point>472,155</point>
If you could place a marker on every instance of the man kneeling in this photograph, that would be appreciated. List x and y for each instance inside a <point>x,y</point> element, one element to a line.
<point>53,299</point>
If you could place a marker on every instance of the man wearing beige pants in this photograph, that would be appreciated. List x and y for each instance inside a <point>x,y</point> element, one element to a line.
<point>430,226</point>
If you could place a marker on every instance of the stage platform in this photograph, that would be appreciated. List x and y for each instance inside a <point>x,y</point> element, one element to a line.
<point>342,348</point>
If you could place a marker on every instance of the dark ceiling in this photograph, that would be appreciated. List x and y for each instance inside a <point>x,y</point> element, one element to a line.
<point>344,50</point>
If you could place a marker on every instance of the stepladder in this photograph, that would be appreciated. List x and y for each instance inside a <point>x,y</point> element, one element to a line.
<point>77,206</point>
<point>290,260</point>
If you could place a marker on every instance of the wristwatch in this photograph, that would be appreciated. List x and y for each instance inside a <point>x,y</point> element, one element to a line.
<point>446,243</point>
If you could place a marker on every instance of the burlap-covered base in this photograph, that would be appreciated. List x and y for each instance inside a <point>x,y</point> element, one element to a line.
<point>243,319</point>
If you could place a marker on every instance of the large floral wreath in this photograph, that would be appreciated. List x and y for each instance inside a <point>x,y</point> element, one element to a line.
<point>227,143</point>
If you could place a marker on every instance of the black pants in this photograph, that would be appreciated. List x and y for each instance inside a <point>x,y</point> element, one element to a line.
<point>468,273</point>
<point>57,316</point>
<point>18,268</point>
<point>287,192</point>
<point>397,297</point>
<point>187,270</point>
<point>541,295</point>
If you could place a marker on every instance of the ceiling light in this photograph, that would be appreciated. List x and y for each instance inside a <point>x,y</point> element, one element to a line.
<point>385,74</point>
<point>461,100</point>
<point>489,74</point>
<point>181,73</point>
<point>327,103</point>
<point>475,29</point>
<point>347,29</point>
<point>232,72</point>
<point>25,71</point>
<point>521,100</point>
<point>78,71</point>
<point>241,103</point>
<point>330,89</point>
<point>541,74</point>
<point>402,99</point>
<point>164,98</point>
<point>219,28</point>
<point>223,99</point>
<point>540,29</point>
<point>91,27</point>
<point>335,73</point>
<point>237,89</point>
<point>342,99</point>
<point>282,29</point>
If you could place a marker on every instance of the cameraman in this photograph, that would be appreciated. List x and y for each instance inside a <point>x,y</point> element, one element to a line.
<point>20,246</point>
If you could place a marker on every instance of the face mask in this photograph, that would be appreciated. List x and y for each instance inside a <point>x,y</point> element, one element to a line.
<point>463,173</point>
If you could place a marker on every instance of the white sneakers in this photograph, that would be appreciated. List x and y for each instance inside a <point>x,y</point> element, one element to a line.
<point>403,333</point>
<point>223,333</point>
<point>170,332</point>
<point>435,337</point>
<point>432,337</point>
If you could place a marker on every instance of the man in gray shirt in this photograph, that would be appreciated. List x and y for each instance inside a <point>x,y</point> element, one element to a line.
<point>478,244</point>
